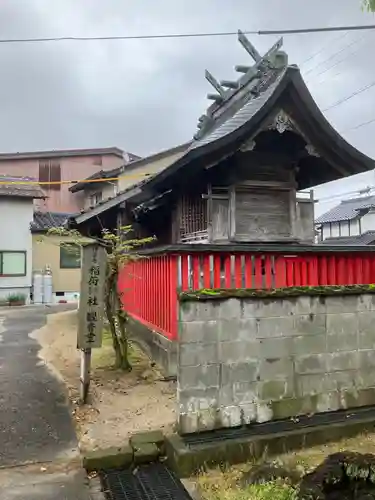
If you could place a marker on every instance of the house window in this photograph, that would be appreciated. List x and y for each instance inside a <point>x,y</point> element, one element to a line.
<point>96,198</point>
<point>50,171</point>
<point>70,256</point>
<point>12,263</point>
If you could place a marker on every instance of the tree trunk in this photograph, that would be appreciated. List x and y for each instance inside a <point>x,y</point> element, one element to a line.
<point>110,313</point>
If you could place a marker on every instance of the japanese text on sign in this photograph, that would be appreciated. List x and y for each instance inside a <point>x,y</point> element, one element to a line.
<point>91,307</point>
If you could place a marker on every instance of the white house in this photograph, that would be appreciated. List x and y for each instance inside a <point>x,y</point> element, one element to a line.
<point>16,215</point>
<point>352,222</point>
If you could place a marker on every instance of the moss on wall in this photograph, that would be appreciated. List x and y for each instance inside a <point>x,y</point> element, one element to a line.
<point>240,293</point>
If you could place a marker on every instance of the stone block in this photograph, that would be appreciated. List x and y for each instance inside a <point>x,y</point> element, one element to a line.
<point>195,400</point>
<point>343,342</point>
<point>308,344</point>
<point>209,419</point>
<point>252,308</point>
<point>366,358</point>
<point>225,395</point>
<point>197,354</point>
<point>342,304</point>
<point>272,390</point>
<point>240,372</point>
<point>338,381</point>
<point>294,407</point>
<point>311,384</point>
<point>364,377</point>
<point>329,401</point>
<point>264,412</point>
<point>276,368</point>
<point>313,363</point>
<point>269,307</point>
<point>245,329</point>
<point>244,392</point>
<point>366,330</point>
<point>110,458</point>
<point>156,437</point>
<point>365,302</point>
<point>309,324</point>
<point>198,331</point>
<point>198,311</point>
<point>339,361</point>
<point>274,327</point>
<point>199,377</point>
<point>342,324</point>
<point>276,347</point>
<point>230,416</point>
<point>188,422</point>
<point>145,453</point>
<point>306,305</point>
<point>238,351</point>
<point>228,309</point>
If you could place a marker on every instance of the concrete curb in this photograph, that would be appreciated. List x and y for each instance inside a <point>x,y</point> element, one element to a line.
<point>142,448</point>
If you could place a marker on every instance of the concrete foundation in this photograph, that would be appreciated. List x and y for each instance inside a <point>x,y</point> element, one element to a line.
<point>160,349</point>
<point>246,360</point>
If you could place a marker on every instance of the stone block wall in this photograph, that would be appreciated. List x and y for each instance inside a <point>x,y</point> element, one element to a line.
<point>244,360</point>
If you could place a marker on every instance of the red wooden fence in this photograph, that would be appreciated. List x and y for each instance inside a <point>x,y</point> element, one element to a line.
<point>149,292</point>
<point>150,285</point>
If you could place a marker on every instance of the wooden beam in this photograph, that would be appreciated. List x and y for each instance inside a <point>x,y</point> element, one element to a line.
<point>267,184</point>
<point>216,85</point>
<point>232,212</point>
<point>248,46</point>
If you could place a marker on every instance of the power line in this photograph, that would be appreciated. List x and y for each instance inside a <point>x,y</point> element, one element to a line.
<point>322,49</point>
<point>59,183</point>
<point>350,44</point>
<point>360,125</point>
<point>188,35</point>
<point>354,94</point>
<point>337,63</point>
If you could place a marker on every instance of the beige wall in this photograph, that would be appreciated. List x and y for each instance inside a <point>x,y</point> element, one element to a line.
<point>72,168</point>
<point>46,251</point>
<point>107,190</point>
<point>134,173</point>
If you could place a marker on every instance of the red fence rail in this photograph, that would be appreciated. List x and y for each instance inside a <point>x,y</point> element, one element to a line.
<point>246,270</point>
<point>149,292</point>
<point>149,286</point>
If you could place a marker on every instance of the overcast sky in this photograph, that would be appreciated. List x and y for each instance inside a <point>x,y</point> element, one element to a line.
<point>146,95</point>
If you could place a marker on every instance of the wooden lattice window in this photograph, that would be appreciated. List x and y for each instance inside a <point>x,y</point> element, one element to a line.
<point>193,217</point>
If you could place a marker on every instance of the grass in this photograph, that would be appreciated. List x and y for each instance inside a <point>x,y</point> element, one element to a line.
<point>267,491</point>
<point>222,484</point>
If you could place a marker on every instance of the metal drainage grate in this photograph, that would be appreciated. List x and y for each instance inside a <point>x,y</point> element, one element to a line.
<point>148,482</point>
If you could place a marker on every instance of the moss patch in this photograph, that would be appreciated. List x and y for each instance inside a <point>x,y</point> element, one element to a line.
<point>226,293</point>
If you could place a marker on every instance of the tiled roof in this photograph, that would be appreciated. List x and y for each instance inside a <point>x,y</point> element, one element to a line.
<point>244,114</point>
<point>47,220</point>
<point>10,186</point>
<point>347,210</point>
<point>363,239</point>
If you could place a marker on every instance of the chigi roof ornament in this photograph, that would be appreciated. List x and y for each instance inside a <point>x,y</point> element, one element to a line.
<point>247,84</point>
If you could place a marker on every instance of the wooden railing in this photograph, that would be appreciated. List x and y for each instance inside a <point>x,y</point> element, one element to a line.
<point>149,286</point>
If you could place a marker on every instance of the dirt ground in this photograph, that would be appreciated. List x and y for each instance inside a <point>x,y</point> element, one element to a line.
<point>121,403</point>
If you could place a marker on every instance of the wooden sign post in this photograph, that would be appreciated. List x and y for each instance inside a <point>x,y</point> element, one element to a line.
<point>91,309</point>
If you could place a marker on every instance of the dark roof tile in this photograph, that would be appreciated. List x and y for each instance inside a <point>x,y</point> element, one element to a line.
<point>347,210</point>
<point>43,221</point>
<point>366,238</point>
<point>10,186</point>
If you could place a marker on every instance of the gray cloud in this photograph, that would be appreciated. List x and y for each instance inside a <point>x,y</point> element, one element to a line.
<point>147,95</point>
